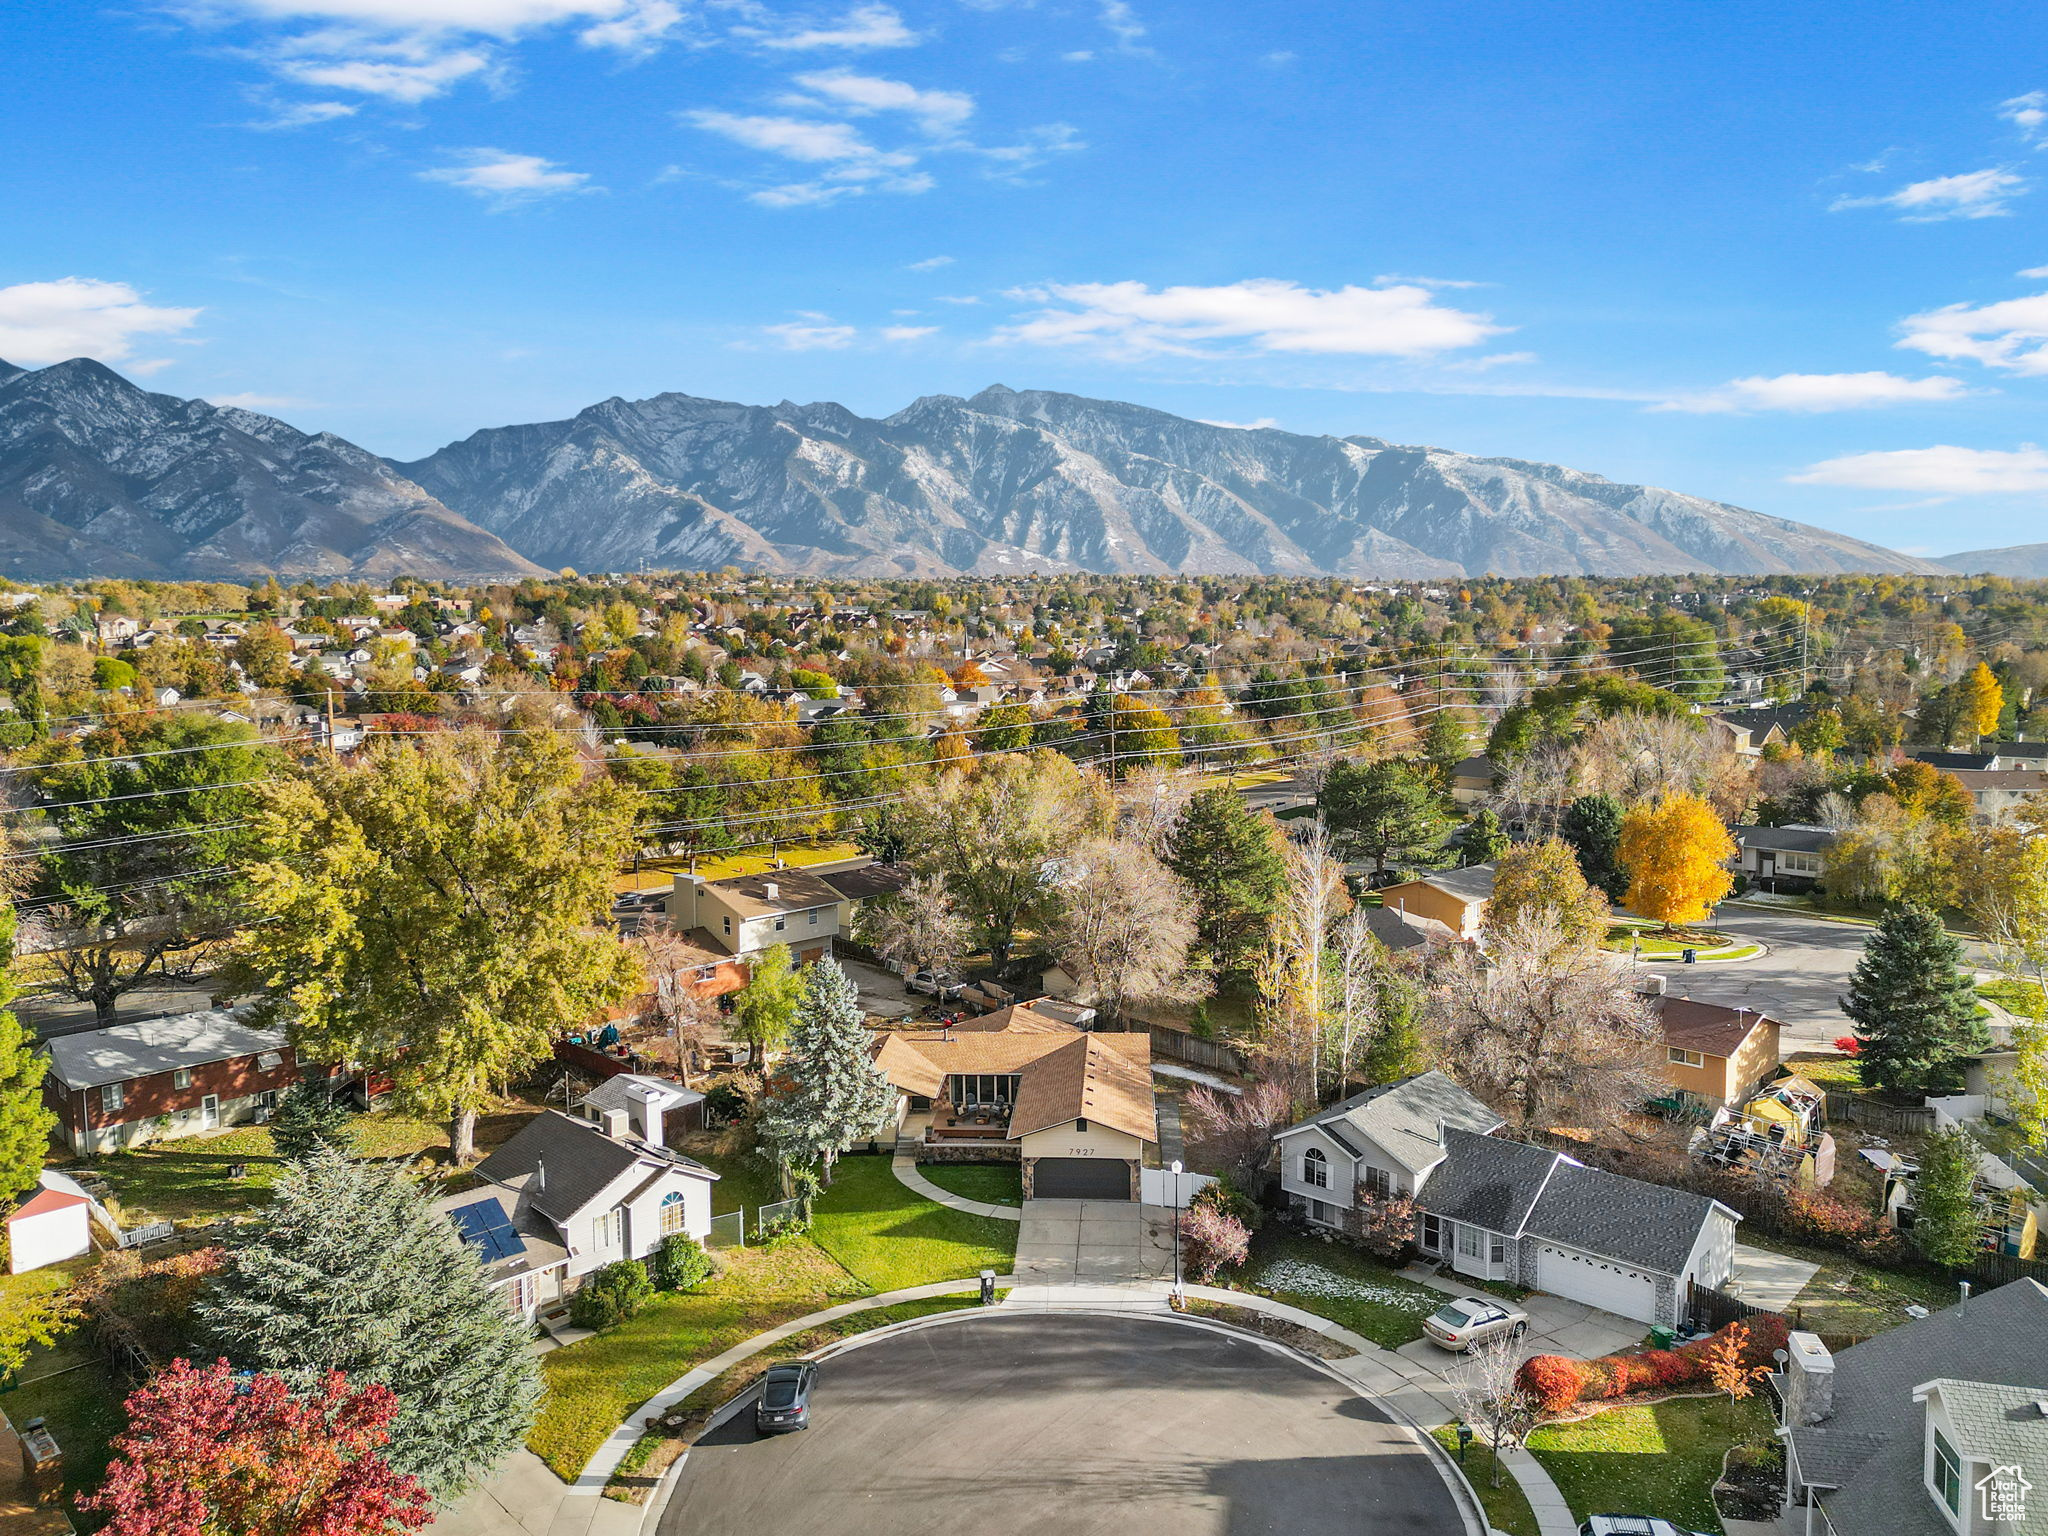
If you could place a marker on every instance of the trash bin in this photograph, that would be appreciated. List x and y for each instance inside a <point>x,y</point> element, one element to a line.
<point>1662,1337</point>
<point>1691,956</point>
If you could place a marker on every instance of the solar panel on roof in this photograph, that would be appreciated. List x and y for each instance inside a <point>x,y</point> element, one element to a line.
<point>486,1228</point>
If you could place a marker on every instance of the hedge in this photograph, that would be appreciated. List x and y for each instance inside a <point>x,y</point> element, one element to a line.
<point>1558,1382</point>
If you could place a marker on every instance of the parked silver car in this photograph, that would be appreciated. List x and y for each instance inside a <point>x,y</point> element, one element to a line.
<point>944,988</point>
<point>1470,1320</point>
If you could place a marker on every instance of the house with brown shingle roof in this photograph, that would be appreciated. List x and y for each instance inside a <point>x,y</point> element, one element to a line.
<point>1716,1055</point>
<point>1073,1107</point>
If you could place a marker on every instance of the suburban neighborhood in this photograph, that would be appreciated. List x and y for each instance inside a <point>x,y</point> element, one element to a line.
<point>472,1036</point>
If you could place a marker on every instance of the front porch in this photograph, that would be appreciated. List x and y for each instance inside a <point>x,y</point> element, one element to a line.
<point>948,1124</point>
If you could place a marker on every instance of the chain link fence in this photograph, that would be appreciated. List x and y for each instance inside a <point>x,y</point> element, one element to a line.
<point>727,1231</point>
<point>768,1217</point>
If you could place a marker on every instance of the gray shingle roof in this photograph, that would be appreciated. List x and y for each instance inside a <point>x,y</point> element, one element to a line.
<point>1473,884</point>
<point>1393,930</point>
<point>123,1052</point>
<point>2000,1424</point>
<point>1401,1118</point>
<point>581,1163</point>
<point>1786,839</point>
<point>1509,1186</point>
<point>1869,1449</point>
<point>625,1089</point>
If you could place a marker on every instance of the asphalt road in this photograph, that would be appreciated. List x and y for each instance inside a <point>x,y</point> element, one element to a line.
<point>1051,1425</point>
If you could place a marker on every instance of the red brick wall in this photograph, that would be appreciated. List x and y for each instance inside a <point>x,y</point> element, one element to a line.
<point>147,1097</point>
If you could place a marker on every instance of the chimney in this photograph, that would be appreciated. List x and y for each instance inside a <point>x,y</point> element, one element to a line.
<point>773,891</point>
<point>615,1123</point>
<point>540,1174</point>
<point>1809,1379</point>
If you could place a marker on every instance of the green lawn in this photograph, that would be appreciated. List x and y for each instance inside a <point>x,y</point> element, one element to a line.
<point>1660,1460</point>
<point>891,1238</point>
<point>187,1180</point>
<point>2021,998</point>
<point>1336,1281</point>
<point>1507,1507</point>
<point>990,1183</point>
<point>1845,1297</point>
<point>69,1385</point>
<point>743,1181</point>
<point>1834,1072</point>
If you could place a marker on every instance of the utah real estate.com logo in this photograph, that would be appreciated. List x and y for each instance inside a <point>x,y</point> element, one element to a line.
<point>2004,1491</point>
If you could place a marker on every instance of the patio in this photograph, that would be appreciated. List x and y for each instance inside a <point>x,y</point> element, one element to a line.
<point>971,1122</point>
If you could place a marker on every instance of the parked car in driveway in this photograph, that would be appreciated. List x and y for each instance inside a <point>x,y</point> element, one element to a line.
<point>785,1401</point>
<point>944,988</point>
<point>1633,1525</point>
<point>1470,1320</point>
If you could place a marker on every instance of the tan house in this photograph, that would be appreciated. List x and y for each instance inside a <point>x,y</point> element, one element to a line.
<point>1716,1055</point>
<point>1456,898</point>
<point>1472,782</point>
<point>749,913</point>
<point>1074,1108</point>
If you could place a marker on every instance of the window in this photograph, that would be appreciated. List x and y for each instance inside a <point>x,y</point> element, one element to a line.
<point>1496,1249</point>
<point>781,923</point>
<point>269,1061</point>
<point>182,1078</point>
<point>112,1096</point>
<point>728,924</point>
<point>1429,1233</point>
<point>604,1232</point>
<point>1378,1182</point>
<point>1798,864</point>
<point>1685,1058</point>
<point>813,915</point>
<point>673,1215</point>
<point>1947,1474</point>
<point>1315,1168</point>
<point>1468,1242</point>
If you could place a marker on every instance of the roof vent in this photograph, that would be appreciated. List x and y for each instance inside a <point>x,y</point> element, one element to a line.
<point>774,891</point>
<point>540,1173</point>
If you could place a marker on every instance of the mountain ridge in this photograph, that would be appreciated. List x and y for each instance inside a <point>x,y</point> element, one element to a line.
<point>99,476</point>
<point>2022,561</point>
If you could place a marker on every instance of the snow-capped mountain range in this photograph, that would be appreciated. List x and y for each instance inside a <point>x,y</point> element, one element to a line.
<point>101,477</point>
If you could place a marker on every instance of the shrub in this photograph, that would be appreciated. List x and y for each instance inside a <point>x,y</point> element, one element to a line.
<point>1848,1045</point>
<point>1385,1225</point>
<point>1226,1197</point>
<point>611,1295</point>
<point>1555,1381</point>
<point>1210,1240</point>
<point>1558,1382</point>
<point>679,1264</point>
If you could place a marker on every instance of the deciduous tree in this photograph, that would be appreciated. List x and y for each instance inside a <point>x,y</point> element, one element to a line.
<point>765,1009</point>
<point>1980,701</point>
<point>210,1452</point>
<point>350,1268</point>
<point>1677,855</point>
<point>827,1093</point>
<point>1543,878</point>
<point>918,928</point>
<point>1234,1131</point>
<point>1123,927</point>
<point>440,910</point>
<point>1945,1221</point>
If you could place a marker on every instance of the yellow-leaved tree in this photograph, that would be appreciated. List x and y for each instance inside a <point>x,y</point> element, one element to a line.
<point>1983,700</point>
<point>1676,853</point>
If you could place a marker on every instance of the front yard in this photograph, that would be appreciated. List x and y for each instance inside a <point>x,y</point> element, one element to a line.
<point>869,1234</point>
<point>990,1183</point>
<point>1336,1281</point>
<point>1659,1460</point>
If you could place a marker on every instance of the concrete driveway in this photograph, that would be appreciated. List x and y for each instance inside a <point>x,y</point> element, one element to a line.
<point>1093,1242</point>
<point>882,993</point>
<point>1556,1327</point>
<point>1766,1279</point>
<point>1069,1425</point>
<point>1799,982</point>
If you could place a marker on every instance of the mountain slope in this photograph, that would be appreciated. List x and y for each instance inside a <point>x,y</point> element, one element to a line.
<point>101,478</point>
<point>1038,481</point>
<point>2016,560</point>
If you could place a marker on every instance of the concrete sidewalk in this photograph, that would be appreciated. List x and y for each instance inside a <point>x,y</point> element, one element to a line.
<point>904,1165</point>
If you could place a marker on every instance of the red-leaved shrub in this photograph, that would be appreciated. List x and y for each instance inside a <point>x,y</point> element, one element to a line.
<point>1555,1381</point>
<point>1558,1382</point>
<point>1211,1240</point>
<point>1848,1045</point>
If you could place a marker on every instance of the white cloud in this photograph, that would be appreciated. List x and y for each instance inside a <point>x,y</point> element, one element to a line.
<point>959,298</point>
<point>1079,56</point>
<point>1816,392</point>
<point>866,26</point>
<point>1267,314</point>
<point>1122,23</point>
<point>1241,426</point>
<point>937,112</point>
<point>70,317</point>
<point>907,332</point>
<point>1972,195</point>
<point>2028,113</point>
<point>1942,470</point>
<point>409,81</point>
<point>252,402</point>
<point>793,138</point>
<point>507,178</point>
<point>2032,272</point>
<point>811,334</point>
<point>2011,335</point>
<point>929,264</point>
<point>303,114</point>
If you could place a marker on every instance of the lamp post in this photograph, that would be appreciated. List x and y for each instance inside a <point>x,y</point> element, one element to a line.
<point>1178,1299</point>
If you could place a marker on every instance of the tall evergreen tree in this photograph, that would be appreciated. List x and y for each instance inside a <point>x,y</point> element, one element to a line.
<point>1914,1006</point>
<point>828,1093</point>
<point>1592,825</point>
<point>1384,810</point>
<point>25,1125</point>
<point>308,1116</point>
<point>1485,839</point>
<point>349,1268</point>
<point>1230,857</point>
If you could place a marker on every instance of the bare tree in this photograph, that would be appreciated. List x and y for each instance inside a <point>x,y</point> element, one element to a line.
<point>1149,803</point>
<point>691,1020</point>
<point>1234,1131</point>
<point>919,928</point>
<point>1536,787</point>
<point>1487,1397</point>
<point>1354,1013</point>
<point>1294,973</point>
<point>1546,1032</point>
<point>1124,927</point>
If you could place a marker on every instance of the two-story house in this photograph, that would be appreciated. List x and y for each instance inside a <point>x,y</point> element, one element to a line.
<point>1716,1055</point>
<point>746,914</point>
<point>1496,1209</point>
<point>564,1197</point>
<point>156,1079</point>
<point>1933,1428</point>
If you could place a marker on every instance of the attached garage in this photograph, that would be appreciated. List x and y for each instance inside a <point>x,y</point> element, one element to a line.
<point>1603,1283</point>
<point>1079,1178</point>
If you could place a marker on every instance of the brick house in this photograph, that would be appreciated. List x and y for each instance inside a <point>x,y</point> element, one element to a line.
<point>162,1078</point>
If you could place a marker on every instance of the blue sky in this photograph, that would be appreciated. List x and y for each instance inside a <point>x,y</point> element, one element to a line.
<point>1776,254</point>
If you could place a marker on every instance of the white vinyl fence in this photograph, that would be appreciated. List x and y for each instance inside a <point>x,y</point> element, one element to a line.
<point>1157,1186</point>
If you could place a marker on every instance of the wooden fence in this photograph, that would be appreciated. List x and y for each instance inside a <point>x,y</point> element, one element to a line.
<point>1891,1119</point>
<point>1710,1310</point>
<point>1192,1051</point>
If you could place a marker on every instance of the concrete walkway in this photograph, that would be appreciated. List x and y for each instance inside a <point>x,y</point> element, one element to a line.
<point>905,1167</point>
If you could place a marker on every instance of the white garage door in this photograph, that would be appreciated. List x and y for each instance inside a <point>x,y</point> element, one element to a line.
<point>1598,1283</point>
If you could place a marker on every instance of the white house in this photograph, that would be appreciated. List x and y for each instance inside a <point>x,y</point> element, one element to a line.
<point>1496,1209</point>
<point>563,1198</point>
<point>634,1105</point>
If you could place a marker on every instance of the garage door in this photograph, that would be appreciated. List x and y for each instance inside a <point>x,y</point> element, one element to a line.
<point>1080,1178</point>
<point>1598,1283</point>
